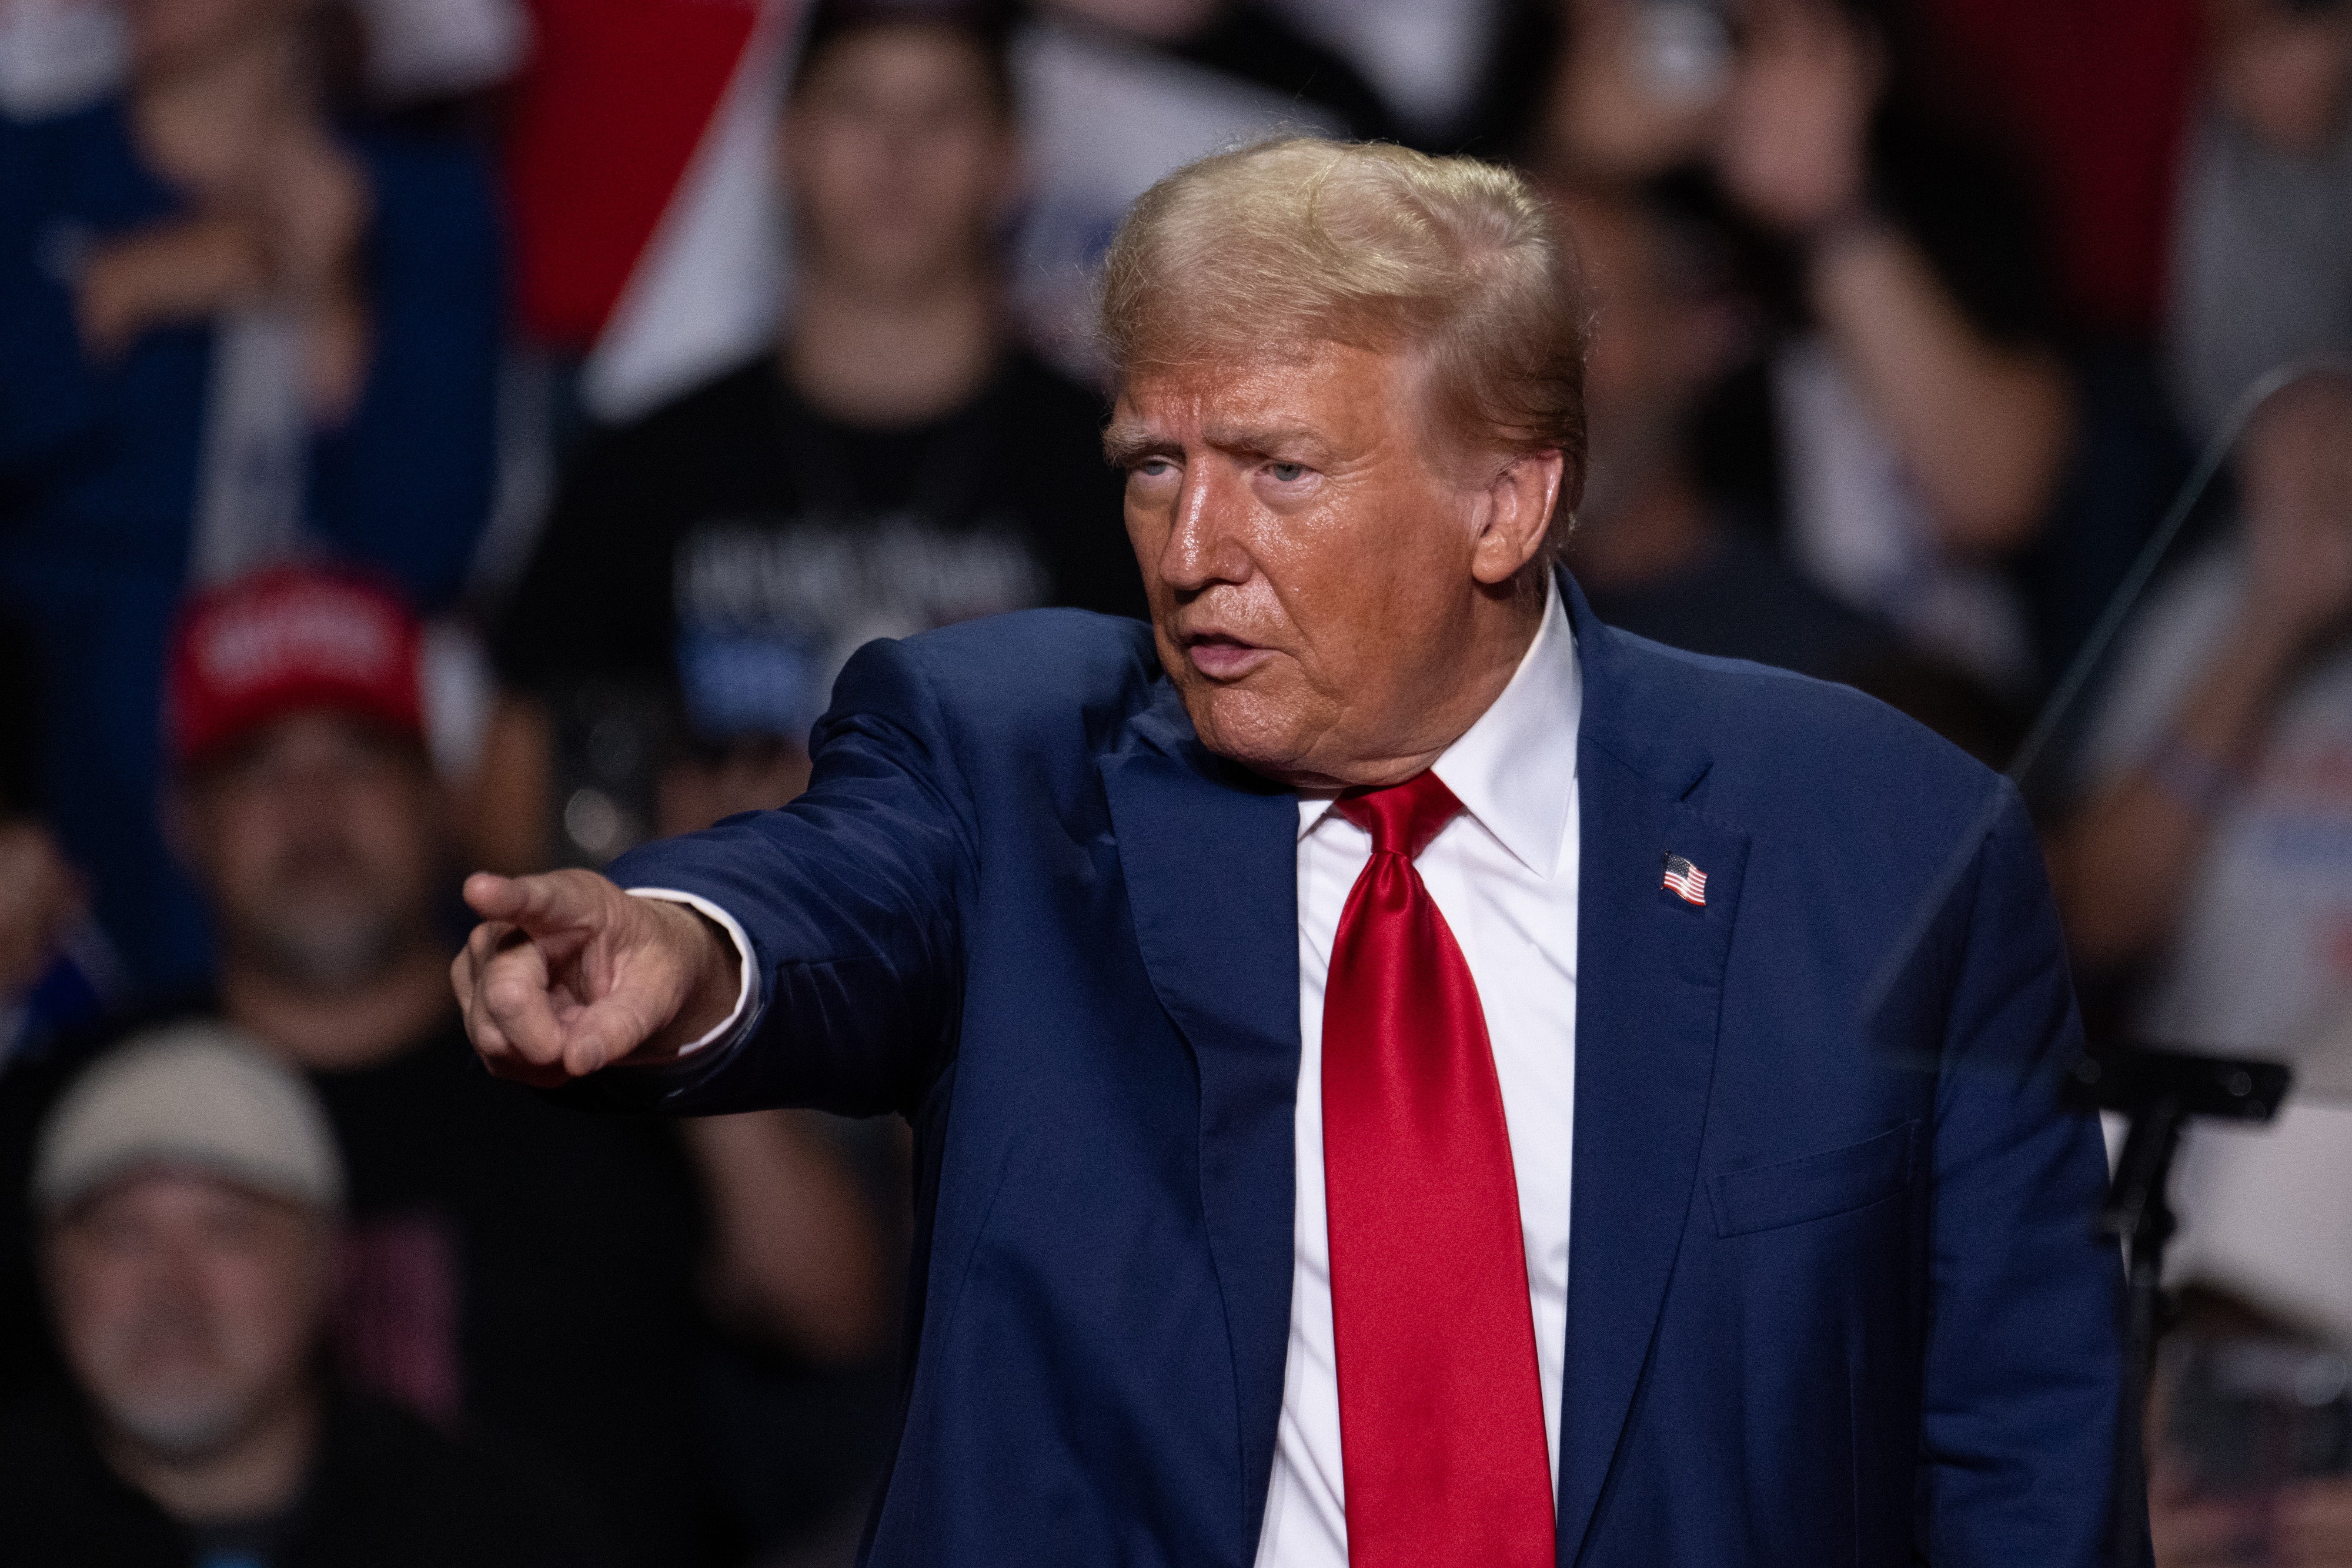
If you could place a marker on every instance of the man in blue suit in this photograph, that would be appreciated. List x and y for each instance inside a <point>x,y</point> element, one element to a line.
<point>1385,1050</point>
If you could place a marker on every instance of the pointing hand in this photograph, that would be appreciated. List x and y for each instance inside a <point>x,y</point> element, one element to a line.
<point>567,974</point>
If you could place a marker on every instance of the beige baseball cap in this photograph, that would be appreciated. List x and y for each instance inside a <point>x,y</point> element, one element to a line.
<point>200,1094</point>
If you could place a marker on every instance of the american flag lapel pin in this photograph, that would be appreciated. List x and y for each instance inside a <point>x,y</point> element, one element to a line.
<point>1685,881</point>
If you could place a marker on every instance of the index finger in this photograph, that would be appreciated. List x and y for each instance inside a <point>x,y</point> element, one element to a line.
<point>549,900</point>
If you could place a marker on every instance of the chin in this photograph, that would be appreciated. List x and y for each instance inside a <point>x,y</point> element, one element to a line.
<point>321,945</point>
<point>182,1423</point>
<point>1260,732</point>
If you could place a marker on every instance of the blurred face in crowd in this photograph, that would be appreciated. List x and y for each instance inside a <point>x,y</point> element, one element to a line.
<point>1317,564</point>
<point>1654,346</point>
<point>169,37</point>
<point>2284,71</point>
<point>2296,455</point>
<point>188,1306</point>
<point>318,843</point>
<point>899,158</point>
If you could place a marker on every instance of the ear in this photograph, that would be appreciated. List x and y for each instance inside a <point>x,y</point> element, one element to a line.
<point>1515,514</point>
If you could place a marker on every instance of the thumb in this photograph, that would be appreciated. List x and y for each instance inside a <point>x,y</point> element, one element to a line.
<point>553,901</point>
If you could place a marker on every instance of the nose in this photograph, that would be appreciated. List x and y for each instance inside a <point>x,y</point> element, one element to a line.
<point>1205,545</point>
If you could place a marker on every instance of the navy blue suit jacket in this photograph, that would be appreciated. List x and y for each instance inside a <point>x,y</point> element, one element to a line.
<point>1834,1296</point>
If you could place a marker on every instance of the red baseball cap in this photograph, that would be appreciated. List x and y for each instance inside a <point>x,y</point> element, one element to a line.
<point>293,637</point>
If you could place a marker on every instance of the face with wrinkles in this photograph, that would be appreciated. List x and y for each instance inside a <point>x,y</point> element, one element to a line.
<point>1336,592</point>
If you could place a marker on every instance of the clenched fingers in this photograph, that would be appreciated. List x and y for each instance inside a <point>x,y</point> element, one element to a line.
<point>604,1032</point>
<point>512,1015</point>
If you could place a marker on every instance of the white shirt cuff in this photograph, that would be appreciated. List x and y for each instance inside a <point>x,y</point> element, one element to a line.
<point>725,1027</point>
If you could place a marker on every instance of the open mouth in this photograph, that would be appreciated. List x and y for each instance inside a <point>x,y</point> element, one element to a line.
<point>1222,657</point>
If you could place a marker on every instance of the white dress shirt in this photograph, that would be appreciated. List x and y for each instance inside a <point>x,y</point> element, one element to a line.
<point>1504,874</point>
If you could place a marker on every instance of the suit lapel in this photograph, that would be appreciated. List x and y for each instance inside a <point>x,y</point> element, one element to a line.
<point>1649,988</point>
<point>1210,854</point>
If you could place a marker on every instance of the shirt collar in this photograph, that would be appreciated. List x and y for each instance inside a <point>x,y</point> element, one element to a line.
<point>1514,768</point>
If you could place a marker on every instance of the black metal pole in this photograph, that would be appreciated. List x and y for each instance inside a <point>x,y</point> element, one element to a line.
<point>2137,1214</point>
<point>2159,1090</point>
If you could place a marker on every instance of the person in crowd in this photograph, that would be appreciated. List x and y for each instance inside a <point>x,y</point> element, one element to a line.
<point>2207,874</point>
<point>188,1194</point>
<point>1652,551</point>
<point>230,329</point>
<point>1656,551</point>
<point>1916,426</point>
<point>2214,843</point>
<point>895,463</point>
<point>306,805</point>
<point>1924,424</point>
<point>2261,258</point>
<point>1615,90</point>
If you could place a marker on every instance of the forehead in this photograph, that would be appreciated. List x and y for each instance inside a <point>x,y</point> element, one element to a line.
<point>310,734</point>
<point>1335,393</point>
<point>162,1191</point>
<point>897,58</point>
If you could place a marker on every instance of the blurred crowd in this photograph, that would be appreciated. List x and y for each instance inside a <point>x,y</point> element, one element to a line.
<point>452,433</point>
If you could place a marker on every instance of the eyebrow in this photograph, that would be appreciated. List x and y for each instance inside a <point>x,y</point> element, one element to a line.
<point>1128,442</point>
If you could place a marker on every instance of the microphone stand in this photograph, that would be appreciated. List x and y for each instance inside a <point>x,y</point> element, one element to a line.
<point>2159,1090</point>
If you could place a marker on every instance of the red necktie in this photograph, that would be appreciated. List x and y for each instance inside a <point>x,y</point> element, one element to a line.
<point>1440,1408</point>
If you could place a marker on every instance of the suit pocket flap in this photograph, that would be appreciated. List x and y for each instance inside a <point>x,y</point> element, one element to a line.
<point>1811,1187</point>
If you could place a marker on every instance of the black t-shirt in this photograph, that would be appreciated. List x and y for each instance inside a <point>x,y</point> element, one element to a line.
<point>528,1270</point>
<point>733,548</point>
<point>384,1491</point>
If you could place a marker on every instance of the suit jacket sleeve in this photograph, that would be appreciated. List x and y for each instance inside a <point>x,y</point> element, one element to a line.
<point>851,900</point>
<point>2023,1359</point>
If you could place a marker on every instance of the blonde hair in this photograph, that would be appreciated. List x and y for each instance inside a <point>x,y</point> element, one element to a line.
<point>1302,240</point>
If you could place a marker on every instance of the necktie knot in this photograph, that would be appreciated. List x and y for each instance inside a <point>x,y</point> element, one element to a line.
<point>1403,818</point>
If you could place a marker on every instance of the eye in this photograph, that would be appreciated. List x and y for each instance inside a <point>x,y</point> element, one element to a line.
<point>1151,468</point>
<point>1287,473</point>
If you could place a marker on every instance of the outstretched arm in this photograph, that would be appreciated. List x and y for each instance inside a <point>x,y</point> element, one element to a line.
<point>846,903</point>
